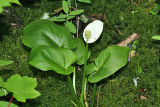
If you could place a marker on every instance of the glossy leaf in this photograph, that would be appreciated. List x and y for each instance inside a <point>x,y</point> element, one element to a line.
<point>70,26</point>
<point>65,7</point>
<point>57,59</point>
<point>5,104</point>
<point>108,62</point>
<point>3,62</point>
<point>22,87</point>
<point>85,1</point>
<point>46,32</point>
<point>156,37</point>
<point>76,12</point>
<point>80,51</point>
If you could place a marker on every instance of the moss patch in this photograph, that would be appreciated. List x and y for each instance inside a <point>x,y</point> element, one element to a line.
<point>119,88</point>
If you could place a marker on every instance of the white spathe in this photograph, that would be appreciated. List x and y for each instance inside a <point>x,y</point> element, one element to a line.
<point>93,31</point>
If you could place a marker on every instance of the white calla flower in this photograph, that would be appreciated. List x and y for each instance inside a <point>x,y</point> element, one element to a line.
<point>93,31</point>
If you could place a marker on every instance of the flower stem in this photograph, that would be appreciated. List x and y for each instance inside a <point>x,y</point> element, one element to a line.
<point>93,94</point>
<point>74,81</point>
<point>84,74</point>
<point>10,101</point>
<point>72,91</point>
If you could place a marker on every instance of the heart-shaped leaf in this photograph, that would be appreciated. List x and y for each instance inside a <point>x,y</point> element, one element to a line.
<point>80,51</point>
<point>22,87</point>
<point>46,32</point>
<point>57,59</point>
<point>108,62</point>
<point>5,104</point>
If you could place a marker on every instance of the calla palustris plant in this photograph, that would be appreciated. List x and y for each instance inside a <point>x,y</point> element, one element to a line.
<point>107,63</point>
<point>53,48</point>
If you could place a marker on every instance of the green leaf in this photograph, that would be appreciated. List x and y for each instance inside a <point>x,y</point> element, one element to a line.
<point>3,62</point>
<point>83,18</point>
<point>70,26</point>
<point>65,7</point>
<point>5,3</point>
<point>58,59</point>
<point>56,19</point>
<point>156,9</point>
<point>85,1</point>
<point>108,62</point>
<point>76,12</point>
<point>1,9</point>
<point>22,87</point>
<point>80,51</point>
<point>3,92</point>
<point>46,32</point>
<point>156,37</point>
<point>139,69</point>
<point>5,104</point>
<point>69,2</point>
<point>134,45</point>
<point>70,17</point>
<point>91,68</point>
<point>15,1</point>
<point>62,16</point>
<point>2,83</point>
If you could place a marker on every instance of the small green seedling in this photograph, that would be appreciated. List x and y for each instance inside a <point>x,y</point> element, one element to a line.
<point>156,9</point>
